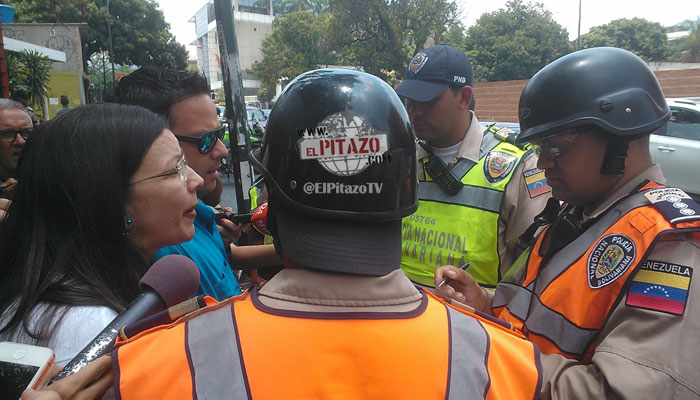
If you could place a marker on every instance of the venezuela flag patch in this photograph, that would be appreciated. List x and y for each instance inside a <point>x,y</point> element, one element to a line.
<point>660,286</point>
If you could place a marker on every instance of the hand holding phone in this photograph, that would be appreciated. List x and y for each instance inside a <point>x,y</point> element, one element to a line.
<point>90,382</point>
<point>23,366</point>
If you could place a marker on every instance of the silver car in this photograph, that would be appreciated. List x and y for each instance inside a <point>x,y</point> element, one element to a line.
<point>678,149</point>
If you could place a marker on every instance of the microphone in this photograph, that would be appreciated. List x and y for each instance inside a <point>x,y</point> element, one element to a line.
<point>258,218</point>
<point>170,280</point>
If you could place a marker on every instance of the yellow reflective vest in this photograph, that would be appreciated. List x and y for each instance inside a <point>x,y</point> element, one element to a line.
<point>455,229</point>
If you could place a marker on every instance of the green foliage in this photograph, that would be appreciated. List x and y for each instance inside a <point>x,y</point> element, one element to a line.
<point>385,34</point>
<point>140,34</point>
<point>455,37</point>
<point>100,73</point>
<point>17,72</point>
<point>297,44</point>
<point>282,7</point>
<point>515,42</point>
<point>29,71</point>
<point>690,45</point>
<point>643,38</point>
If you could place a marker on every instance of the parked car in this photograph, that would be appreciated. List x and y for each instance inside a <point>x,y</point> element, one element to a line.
<point>256,114</point>
<point>677,149</point>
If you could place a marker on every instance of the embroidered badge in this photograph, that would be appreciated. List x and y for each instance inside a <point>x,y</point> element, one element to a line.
<point>609,259</point>
<point>674,204</point>
<point>417,62</point>
<point>536,182</point>
<point>660,286</point>
<point>498,165</point>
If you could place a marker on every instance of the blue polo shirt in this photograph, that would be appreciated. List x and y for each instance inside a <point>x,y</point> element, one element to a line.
<point>206,249</point>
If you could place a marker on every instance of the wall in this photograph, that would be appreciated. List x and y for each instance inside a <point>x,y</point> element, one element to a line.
<point>498,101</point>
<point>65,78</point>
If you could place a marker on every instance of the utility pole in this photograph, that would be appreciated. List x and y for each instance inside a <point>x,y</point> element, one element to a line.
<point>578,40</point>
<point>111,53</point>
<point>235,102</point>
<point>4,85</point>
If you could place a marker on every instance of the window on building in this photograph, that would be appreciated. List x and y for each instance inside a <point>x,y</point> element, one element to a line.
<point>254,6</point>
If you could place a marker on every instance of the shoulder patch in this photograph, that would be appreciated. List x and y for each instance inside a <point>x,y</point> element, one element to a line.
<point>497,165</point>
<point>609,259</point>
<point>674,204</point>
<point>660,286</point>
<point>536,182</point>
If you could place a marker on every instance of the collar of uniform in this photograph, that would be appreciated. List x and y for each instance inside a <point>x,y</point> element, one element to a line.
<point>653,173</point>
<point>311,290</point>
<point>470,144</point>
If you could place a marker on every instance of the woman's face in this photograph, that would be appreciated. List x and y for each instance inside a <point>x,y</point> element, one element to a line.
<point>162,206</point>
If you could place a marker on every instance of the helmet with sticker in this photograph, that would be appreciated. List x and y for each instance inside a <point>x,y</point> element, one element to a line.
<point>338,144</point>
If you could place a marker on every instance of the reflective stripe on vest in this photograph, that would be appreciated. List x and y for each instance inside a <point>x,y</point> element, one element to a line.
<point>565,323</point>
<point>438,232</point>
<point>367,356</point>
<point>210,380</point>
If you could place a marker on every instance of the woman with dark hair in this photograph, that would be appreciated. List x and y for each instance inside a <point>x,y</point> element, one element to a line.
<point>102,187</point>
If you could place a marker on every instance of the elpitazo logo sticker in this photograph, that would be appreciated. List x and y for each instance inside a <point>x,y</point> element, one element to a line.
<point>343,143</point>
<point>609,259</point>
<point>498,165</point>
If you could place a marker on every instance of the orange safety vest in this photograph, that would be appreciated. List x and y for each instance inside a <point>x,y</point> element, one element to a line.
<point>562,307</point>
<point>241,349</point>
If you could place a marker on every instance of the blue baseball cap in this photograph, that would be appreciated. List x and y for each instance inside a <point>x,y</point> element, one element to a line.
<point>434,69</point>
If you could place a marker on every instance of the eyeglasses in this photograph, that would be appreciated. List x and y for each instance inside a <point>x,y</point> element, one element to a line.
<point>565,143</point>
<point>180,168</point>
<point>207,141</point>
<point>10,135</point>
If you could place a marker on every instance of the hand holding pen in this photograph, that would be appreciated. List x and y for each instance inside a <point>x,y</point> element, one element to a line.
<point>456,283</point>
<point>463,267</point>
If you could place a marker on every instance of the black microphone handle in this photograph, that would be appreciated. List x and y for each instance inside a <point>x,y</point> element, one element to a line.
<point>145,304</point>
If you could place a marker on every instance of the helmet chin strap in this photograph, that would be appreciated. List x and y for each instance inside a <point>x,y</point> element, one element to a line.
<point>615,154</point>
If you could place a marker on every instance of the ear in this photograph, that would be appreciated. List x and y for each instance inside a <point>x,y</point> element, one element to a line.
<point>465,97</point>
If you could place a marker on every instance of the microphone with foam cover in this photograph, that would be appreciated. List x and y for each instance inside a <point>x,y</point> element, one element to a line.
<point>169,281</point>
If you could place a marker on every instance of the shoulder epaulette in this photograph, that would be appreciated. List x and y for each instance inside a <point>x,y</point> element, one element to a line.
<point>505,134</point>
<point>674,204</point>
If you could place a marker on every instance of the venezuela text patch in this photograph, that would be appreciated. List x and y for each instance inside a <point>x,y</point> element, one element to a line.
<point>660,286</point>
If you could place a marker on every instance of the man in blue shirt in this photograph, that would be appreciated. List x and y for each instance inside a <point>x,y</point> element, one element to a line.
<point>183,99</point>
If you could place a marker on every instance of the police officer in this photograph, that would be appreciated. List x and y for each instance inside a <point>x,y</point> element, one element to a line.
<point>342,320</point>
<point>616,308</point>
<point>478,191</point>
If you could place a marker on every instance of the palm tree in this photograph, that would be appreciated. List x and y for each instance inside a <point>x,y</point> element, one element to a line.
<point>37,77</point>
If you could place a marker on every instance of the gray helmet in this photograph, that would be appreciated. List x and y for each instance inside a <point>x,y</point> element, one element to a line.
<point>605,86</point>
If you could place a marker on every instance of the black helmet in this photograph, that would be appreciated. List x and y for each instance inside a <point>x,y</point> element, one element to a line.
<point>605,86</point>
<point>338,144</point>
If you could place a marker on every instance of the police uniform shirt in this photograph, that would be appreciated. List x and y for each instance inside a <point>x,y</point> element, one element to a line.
<point>642,353</point>
<point>518,209</point>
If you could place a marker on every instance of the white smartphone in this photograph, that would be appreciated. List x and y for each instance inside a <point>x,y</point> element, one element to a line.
<point>22,366</point>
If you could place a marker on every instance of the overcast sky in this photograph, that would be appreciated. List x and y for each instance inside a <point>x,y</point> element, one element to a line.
<point>565,12</point>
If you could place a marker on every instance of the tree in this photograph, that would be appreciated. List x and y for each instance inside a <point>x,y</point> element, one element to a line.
<point>455,37</point>
<point>29,71</point>
<point>644,38</point>
<point>515,42</point>
<point>690,45</point>
<point>140,34</point>
<point>297,44</point>
<point>384,34</point>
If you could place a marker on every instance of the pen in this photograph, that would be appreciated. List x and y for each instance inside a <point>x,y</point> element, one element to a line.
<point>463,267</point>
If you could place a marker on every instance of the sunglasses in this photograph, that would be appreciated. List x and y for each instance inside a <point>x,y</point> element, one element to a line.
<point>207,141</point>
<point>546,148</point>
<point>10,135</point>
<point>180,168</point>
